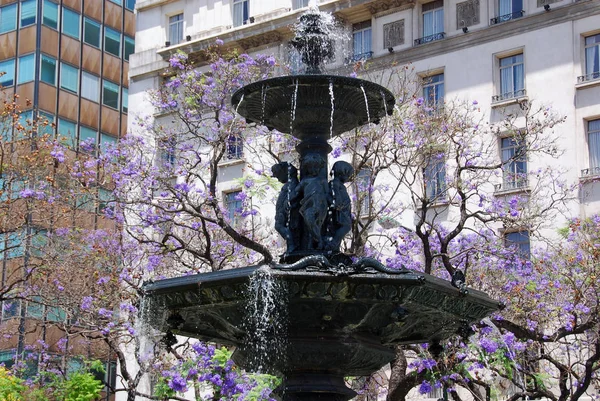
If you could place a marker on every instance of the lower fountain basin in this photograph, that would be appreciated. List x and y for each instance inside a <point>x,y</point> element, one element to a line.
<point>358,312</point>
<point>302,104</point>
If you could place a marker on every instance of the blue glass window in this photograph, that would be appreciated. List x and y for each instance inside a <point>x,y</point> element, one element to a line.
<point>112,42</point>
<point>361,41</point>
<point>435,177</point>
<point>69,77</point>
<point>25,127</point>
<point>110,94</point>
<point>45,121</point>
<point>106,140</point>
<point>91,32</point>
<point>433,90</point>
<point>28,12</point>
<point>514,163</point>
<point>241,12</point>
<point>67,132</point>
<point>233,205</point>
<point>50,14</point>
<point>125,102</point>
<point>520,241</point>
<point>129,47</point>
<point>8,18</point>
<point>70,23</point>
<point>26,69</point>
<point>48,70</point>
<point>8,68</point>
<point>88,135</point>
<point>512,76</point>
<point>130,4</point>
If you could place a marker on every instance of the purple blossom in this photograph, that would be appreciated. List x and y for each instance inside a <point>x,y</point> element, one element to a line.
<point>488,345</point>
<point>425,387</point>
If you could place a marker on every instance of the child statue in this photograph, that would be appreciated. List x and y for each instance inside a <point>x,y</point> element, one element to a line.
<point>341,219</point>
<point>313,193</point>
<point>287,219</point>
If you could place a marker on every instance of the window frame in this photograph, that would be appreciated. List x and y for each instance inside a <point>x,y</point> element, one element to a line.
<point>434,8</point>
<point>31,74</point>
<point>50,58</point>
<point>593,157</point>
<point>176,27</point>
<point>591,73</point>
<point>67,67</point>
<point>128,40</point>
<point>434,172</point>
<point>429,83</point>
<point>512,178</point>
<point>244,14</point>
<point>66,28</point>
<point>107,31</point>
<point>229,200</point>
<point>69,137</point>
<point>22,4</point>
<point>117,91</point>
<point>234,147</point>
<point>56,23</point>
<point>362,32</point>
<point>15,19</point>
<point>96,24</point>
<point>85,89</point>
<point>513,93</point>
<point>10,72</point>
<point>518,243</point>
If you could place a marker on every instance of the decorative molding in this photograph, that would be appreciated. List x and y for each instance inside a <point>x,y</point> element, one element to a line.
<point>260,40</point>
<point>393,34</point>
<point>382,6</point>
<point>467,13</point>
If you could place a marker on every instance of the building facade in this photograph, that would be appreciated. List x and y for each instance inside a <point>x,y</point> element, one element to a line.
<point>66,62</point>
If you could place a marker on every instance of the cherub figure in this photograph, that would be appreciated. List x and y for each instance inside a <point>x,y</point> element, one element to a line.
<point>313,193</point>
<point>341,222</point>
<point>287,219</point>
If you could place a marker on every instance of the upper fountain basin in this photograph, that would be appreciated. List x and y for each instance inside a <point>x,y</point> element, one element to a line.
<point>301,105</point>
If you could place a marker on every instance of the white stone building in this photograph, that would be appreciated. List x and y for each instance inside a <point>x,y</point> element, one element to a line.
<point>497,52</point>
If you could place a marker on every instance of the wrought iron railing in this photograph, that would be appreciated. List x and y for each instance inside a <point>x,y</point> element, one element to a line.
<point>512,185</point>
<point>588,77</point>
<point>507,17</point>
<point>590,172</point>
<point>430,38</point>
<point>509,95</point>
<point>361,56</point>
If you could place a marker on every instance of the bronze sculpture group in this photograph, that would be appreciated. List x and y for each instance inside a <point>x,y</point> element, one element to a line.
<point>311,213</point>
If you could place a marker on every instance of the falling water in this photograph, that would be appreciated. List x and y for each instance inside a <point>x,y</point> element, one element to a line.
<point>265,321</point>
<point>384,104</point>
<point>236,111</point>
<point>332,110</point>
<point>294,99</point>
<point>263,95</point>
<point>366,103</point>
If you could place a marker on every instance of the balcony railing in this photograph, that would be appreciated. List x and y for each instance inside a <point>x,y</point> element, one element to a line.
<point>506,17</point>
<point>430,38</point>
<point>588,77</point>
<point>361,56</point>
<point>511,185</point>
<point>509,95</point>
<point>590,172</point>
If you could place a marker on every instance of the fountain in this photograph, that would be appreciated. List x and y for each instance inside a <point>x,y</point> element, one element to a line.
<point>334,316</point>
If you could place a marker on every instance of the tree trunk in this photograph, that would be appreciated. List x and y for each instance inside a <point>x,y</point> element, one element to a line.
<point>400,384</point>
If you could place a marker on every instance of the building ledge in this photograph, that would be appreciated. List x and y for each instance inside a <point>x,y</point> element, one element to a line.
<point>587,84</point>
<point>510,101</point>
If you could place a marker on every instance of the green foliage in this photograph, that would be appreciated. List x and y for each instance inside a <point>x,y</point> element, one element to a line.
<point>11,387</point>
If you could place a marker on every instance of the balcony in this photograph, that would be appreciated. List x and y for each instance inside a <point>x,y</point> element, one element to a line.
<point>509,95</point>
<point>590,172</point>
<point>588,77</point>
<point>430,38</point>
<point>517,185</point>
<point>506,17</point>
<point>361,57</point>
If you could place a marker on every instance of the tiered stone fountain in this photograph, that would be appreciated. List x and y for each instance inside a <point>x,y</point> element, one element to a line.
<point>334,317</point>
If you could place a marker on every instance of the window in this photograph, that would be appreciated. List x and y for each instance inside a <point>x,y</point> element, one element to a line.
<point>48,70</point>
<point>89,136</point>
<point>7,358</point>
<point>67,132</point>
<point>176,29</point>
<point>26,69</point>
<point>363,186</point>
<point>28,12</point>
<point>35,309</point>
<point>592,58</point>
<point>119,2</point>
<point>125,100</point>
<point>507,10</point>
<point>8,18</point>
<point>130,4</point>
<point>90,87</point>
<point>593,134</point>
<point>50,14</point>
<point>518,240</point>
<point>514,163</point>
<point>106,141</point>
<point>12,244</point>
<point>241,12</point>
<point>112,41</point>
<point>433,90</point>
<point>235,147</point>
<point>129,47</point>
<point>434,177</point>
<point>300,4</point>
<point>11,309</point>
<point>512,78</point>
<point>70,23</point>
<point>433,22</point>
<point>69,77</point>
<point>8,68</point>
<point>45,121</point>
<point>167,150</point>
<point>361,41</point>
<point>91,32</point>
<point>26,121</point>
<point>233,205</point>
<point>110,94</point>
